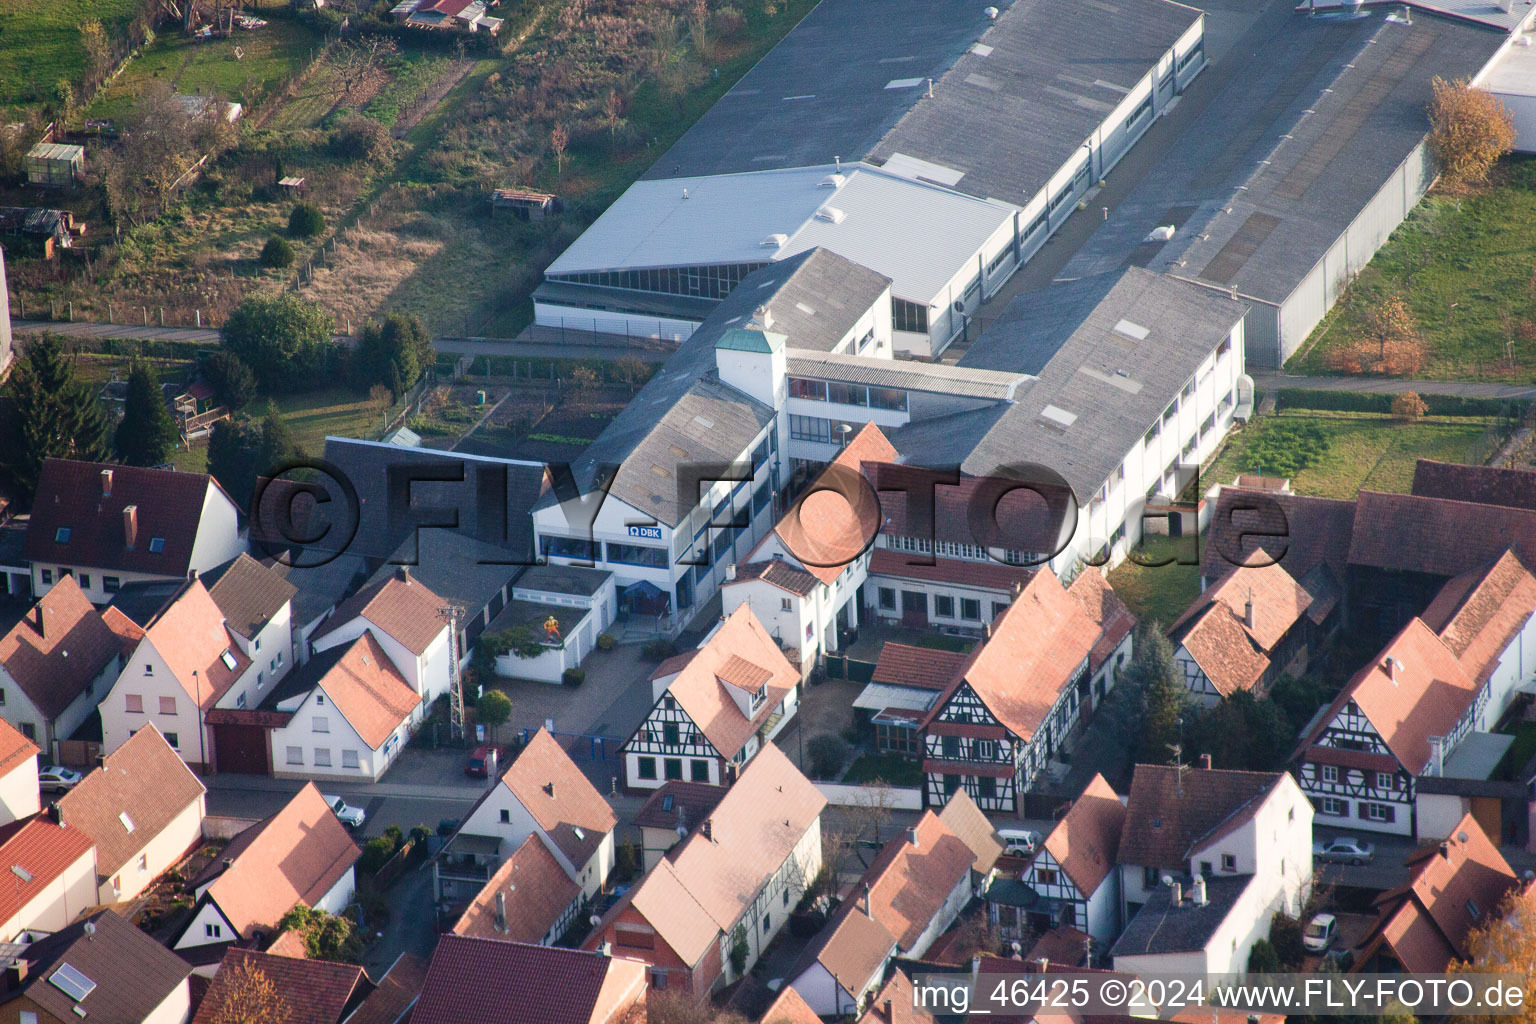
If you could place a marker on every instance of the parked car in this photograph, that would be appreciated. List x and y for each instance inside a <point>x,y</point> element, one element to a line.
<point>1344,850</point>
<point>483,761</point>
<point>1319,933</point>
<point>352,817</point>
<point>1019,842</point>
<point>55,778</point>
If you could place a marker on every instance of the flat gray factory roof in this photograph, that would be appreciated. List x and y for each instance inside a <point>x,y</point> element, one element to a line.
<point>934,378</point>
<point>1299,139</point>
<point>1111,353</point>
<point>1012,98</point>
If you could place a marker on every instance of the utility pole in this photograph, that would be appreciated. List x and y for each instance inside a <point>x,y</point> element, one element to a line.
<point>455,682</point>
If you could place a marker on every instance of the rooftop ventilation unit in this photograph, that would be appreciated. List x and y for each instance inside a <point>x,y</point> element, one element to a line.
<point>831,214</point>
<point>776,239</point>
<point>1058,418</point>
<point>834,181</point>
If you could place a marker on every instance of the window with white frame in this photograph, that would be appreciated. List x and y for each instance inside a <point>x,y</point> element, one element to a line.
<point>295,755</point>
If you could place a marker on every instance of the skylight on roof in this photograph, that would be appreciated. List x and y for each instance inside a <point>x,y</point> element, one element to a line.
<point>1058,417</point>
<point>156,545</point>
<point>1132,330</point>
<point>580,834</point>
<point>666,802</point>
<point>21,872</point>
<point>228,659</point>
<point>71,982</point>
<point>61,535</point>
<point>127,821</point>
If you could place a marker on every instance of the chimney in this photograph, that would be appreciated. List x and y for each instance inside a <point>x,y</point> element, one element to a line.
<point>1248,611</point>
<point>228,863</point>
<point>130,525</point>
<point>15,975</point>
<point>1393,666</point>
<point>403,574</point>
<point>1197,891</point>
<point>912,835</point>
<point>869,908</point>
<point>1205,761</point>
<point>106,483</point>
<point>501,911</point>
<point>730,572</point>
<point>1445,849</point>
<point>549,787</point>
<point>707,830</point>
<point>761,316</point>
<point>1176,899</point>
<point>55,815</point>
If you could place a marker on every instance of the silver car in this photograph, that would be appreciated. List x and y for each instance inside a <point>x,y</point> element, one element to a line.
<point>352,817</point>
<point>1344,850</point>
<point>56,778</point>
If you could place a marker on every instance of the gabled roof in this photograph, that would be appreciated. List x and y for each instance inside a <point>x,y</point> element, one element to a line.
<point>293,857</point>
<point>1214,629</point>
<point>1170,809</point>
<point>14,748</point>
<point>1453,888</point>
<point>896,1003</point>
<point>400,605</point>
<point>534,890</point>
<point>789,1008</point>
<point>778,571</point>
<point>961,572</point>
<point>1252,526</point>
<point>1429,694</point>
<point>962,817</point>
<point>249,594</point>
<point>838,517</point>
<point>367,688</point>
<point>1092,590</point>
<point>701,690</point>
<point>565,805</point>
<point>1033,654</point>
<point>1434,536</point>
<point>492,981</point>
<point>191,637</point>
<point>397,992</point>
<point>144,781</point>
<point>1484,485</point>
<point>43,851</point>
<point>678,803</point>
<point>70,504</point>
<point>1480,612</point>
<point>133,974</point>
<point>927,667</point>
<point>313,991</point>
<point>58,647</point>
<point>1086,840</point>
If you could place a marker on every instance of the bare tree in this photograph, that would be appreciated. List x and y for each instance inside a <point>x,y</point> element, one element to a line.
<point>158,138</point>
<point>246,995</point>
<point>98,49</point>
<point>613,115</point>
<point>358,61</point>
<point>559,138</point>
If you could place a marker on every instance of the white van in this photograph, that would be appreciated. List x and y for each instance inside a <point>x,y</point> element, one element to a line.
<point>1019,842</point>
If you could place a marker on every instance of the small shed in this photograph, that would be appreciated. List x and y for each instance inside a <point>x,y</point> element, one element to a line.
<point>55,164</point>
<point>524,204</point>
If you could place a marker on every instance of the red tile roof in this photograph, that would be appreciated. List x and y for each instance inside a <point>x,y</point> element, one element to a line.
<point>249,594</point>
<point>1479,613</point>
<point>1485,485</point>
<point>295,857</point>
<point>401,606</point>
<point>143,779</point>
<point>677,802</point>
<point>1061,945</point>
<point>1169,810</point>
<point>1086,841</point>
<point>369,691</point>
<point>1429,694</point>
<point>1214,629</point>
<point>491,981</point>
<point>1435,536</point>
<point>838,516</point>
<point>1115,621</point>
<point>312,991</point>
<point>789,1008</point>
<point>962,817</point>
<point>555,792</point>
<point>535,891</point>
<point>191,637</point>
<point>1300,530</point>
<point>69,496</point>
<point>44,851</point>
<point>55,651</point>
<point>396,993</point>
<point>1033,654</point>
<point>983,575</point>
<point>778,571</point>
<point>896,1003</point>
<point>15,748</point>
<point>925,667</point>
<point>929,504</point>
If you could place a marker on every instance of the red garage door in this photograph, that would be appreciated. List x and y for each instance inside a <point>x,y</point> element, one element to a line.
<point>242,749</point>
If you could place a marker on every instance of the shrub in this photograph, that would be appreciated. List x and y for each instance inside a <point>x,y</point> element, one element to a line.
<point>658,650</point>
<point>728,22</point>
<point>376,853</point>
<point>1263,959</point>
<point>1285,937</point>
<point>1469,130</point>
<point>605,642</point>
<point>356,137</point>
<point>306,221</point>
<point>827,752</point>
<point>573,677</point>
<point>626,862</point>
<point>234,385</point>
<point>1409,407</point>
<point>277,253</point>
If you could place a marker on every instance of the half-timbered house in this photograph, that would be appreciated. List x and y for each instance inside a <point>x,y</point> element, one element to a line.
<point>1010,708</point>
<point>1073,876</point>
<point>715,707</point>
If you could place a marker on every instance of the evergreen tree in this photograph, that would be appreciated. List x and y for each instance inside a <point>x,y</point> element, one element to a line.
<point>232,460</point>
<point>394,353</point>
<point>146,435</point>
<point>58,414</point>
<point>277,448</point>
<point>1166,697</point>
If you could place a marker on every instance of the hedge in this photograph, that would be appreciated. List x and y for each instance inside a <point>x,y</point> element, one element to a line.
<point>1381,402</point>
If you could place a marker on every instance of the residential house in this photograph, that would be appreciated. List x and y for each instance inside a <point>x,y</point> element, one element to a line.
<point>1072,881</point>
<point>55,870</point>
<point>582,604</point>
<point>912,892</point>
<point>407,620</point>
<point>1208,930</point>
<point>346,714</point>
<point>493,981</point>
<point>1182,821</point>
<point>312,991</point>
<point>57,662</point>
<point>107,525</point>
<point>703,915</point>
<point>1454,887</point>
<point>144,810</point>
<point>397,992</point>
<point>962,817</point>
<point>102,969</point>
<point>1116,625</point>
<point>716,707</point>
<point>906,683</point>
<point>530,898</point>
<point>1248,630</point>
<point>669,814</point>
<point>302,855</point>
<point>896,1003</point>
<point>802,577</point>
<point>256,601</point>
<point>543,793</point>
<point>19,793</point>
<point>789,1008</point>
<point>1009,710</point>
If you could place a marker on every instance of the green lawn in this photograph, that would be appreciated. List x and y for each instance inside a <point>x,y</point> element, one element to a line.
<point>269,57</point>
<point>40,43</point>
<point>333,410</point>
<point>1158,592</point>
<point>1465,265</point>
<point>892,769</point>
<point>1365,451</point>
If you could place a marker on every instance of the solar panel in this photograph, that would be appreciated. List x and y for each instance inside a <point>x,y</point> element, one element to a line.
<point>71,982</point>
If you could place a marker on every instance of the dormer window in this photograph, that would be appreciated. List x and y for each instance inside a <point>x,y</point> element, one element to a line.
<point>156,545</point>
<point>758,698</point>
<point>61,535</point>
<point>228,659</point>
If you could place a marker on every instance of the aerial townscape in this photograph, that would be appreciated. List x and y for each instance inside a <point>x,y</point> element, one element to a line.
<point>728,511</point>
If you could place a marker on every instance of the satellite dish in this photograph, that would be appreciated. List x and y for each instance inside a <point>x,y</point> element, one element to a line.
<point>959,305</point>
<point>1462,837</point>
<point>1167,879</point>
<point>595,920</point>
<point>90,928</point>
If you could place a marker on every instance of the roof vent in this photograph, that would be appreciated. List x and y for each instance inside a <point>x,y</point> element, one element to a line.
<point>776,239</point>
<point>1056,417</point>
<point>831,214</point>
<point>834,181</point>
<point>991,12</point>
<point>1131,330</point>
